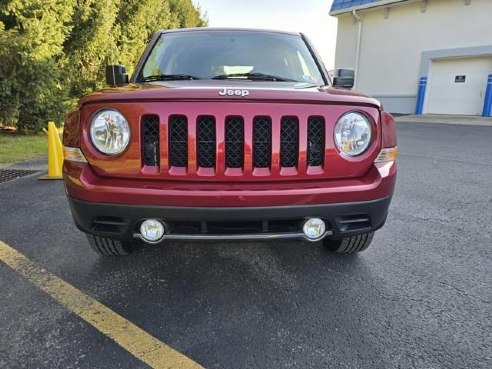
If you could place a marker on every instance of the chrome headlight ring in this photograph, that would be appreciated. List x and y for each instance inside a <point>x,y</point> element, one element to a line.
<point>109,132</point>
<point>353,133</point>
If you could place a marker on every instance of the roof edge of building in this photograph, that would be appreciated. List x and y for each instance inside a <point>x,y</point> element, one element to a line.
<point>378,4</point>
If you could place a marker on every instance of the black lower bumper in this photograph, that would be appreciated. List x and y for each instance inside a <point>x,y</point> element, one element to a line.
<point>123,221</point>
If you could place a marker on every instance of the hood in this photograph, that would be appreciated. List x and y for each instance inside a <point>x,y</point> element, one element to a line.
<point>230,90</point>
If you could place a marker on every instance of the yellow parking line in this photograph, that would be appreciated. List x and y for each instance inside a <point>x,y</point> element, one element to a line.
<point>126,334</point>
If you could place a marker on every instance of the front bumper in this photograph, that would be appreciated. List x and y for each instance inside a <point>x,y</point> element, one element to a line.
<point>123,221</point>
<point>114,207</point>
<point>83,183</point>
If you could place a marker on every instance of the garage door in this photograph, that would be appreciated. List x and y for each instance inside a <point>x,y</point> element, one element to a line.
<point>457,86</point>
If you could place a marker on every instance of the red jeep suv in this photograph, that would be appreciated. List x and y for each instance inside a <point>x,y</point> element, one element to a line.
<point>229,134</point>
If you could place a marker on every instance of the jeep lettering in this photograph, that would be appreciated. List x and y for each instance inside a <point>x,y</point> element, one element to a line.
<point>226,92</point>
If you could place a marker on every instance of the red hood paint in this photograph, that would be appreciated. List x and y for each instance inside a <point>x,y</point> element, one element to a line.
<point>209,90</point>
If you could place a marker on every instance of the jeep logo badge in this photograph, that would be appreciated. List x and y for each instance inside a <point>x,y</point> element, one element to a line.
<point>229,92</point>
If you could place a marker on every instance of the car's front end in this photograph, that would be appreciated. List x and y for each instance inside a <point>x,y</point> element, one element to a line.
<point>229,159</point>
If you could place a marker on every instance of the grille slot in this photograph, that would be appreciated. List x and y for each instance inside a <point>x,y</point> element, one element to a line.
<point>262,142</point>
<point>150,140</point>
<point>289,141</point>
<point>206,141</point>
<point>178,141</point>
<point>316,141</point>
<point>234,135</point>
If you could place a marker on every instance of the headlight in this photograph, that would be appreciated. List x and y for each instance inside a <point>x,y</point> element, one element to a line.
<point>110,132</point>
<point>353,134</point>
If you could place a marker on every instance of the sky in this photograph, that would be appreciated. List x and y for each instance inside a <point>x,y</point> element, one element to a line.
<point>307,16</point>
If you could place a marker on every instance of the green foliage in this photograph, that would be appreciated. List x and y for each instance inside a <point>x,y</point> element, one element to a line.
<point>30,49</point>
<point>136,23</point>
<point>186,14</point>
<point>15,147</point>
<point>90,44</point>
<point>54,51</point>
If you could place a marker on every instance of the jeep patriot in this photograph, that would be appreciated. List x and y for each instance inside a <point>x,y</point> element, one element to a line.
<point>229,134</point>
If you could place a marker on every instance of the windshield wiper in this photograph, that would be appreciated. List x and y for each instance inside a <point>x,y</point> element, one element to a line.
<point>167,77</point>
<point>254,77</point>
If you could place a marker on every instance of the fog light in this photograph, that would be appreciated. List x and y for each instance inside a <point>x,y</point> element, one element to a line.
<point>152,230</point>
<point>314,228</point>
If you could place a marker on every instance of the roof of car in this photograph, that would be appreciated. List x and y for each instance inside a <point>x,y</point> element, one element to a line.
<point>227,29</point>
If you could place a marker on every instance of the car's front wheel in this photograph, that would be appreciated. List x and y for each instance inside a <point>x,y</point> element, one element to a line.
<point>349,245</point>
<point>109,246</point>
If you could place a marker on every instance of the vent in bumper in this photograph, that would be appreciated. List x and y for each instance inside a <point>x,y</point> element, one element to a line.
<point>353,222</point>
<point>114,225</point>
<point>235,227</point>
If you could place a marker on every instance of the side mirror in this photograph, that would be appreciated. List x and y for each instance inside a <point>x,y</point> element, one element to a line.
<point>344,78</point>
<point>116,75</point>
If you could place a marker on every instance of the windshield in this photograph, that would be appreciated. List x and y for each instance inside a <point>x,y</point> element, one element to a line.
<point>248,55</point>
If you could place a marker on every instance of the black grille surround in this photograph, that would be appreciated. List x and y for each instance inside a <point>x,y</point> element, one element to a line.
<point>262,142</point>
<point>234,142</point>
<point>316,141</point>
<point>178,141</point>
<point>206,141</point>
<point>150,140</point>
<point>289,141</point>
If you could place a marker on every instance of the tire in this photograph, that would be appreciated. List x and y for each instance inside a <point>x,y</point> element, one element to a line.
<point>349,245</point>
<point>108,246</point>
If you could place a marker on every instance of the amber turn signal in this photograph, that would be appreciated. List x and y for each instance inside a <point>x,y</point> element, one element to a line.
<point>387,154</point>
<point>73,154</point>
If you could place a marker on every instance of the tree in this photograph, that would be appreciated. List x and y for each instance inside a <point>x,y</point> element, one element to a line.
<point>90,44</point>
<point>186,14</point>
<point>31,41</point>
<point>136,23</point>
<point>54,51</point>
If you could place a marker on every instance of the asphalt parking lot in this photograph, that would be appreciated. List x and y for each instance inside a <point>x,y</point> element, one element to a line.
<point>419,297</point>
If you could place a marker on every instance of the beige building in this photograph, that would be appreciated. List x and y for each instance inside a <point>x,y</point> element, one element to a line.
<point>445,46</point>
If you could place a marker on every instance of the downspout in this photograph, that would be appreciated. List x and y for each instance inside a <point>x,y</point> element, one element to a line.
<point>358,20</point>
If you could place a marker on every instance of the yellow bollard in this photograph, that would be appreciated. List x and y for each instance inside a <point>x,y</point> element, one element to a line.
<point>55,154</point>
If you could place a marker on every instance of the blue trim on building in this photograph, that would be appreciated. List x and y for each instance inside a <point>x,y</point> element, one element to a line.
<point>346,4</point>
<point>421,96</point>
<point>487,105</point>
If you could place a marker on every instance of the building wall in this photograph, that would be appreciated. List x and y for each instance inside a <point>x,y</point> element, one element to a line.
<point>392,44</point>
